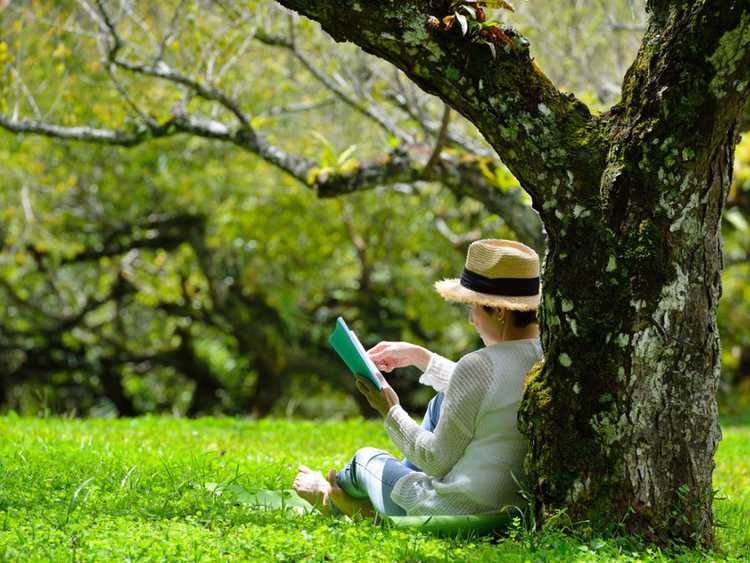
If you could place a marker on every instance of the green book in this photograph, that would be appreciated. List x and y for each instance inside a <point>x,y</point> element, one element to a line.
<point>348,346</point>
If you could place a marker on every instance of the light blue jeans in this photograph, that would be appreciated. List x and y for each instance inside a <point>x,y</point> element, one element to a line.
<point>372,472</point>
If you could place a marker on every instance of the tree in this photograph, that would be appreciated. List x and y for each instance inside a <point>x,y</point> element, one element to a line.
<point>621,417</point>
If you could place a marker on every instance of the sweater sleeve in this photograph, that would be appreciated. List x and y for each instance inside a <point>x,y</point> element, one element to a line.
<point>438,451</point>
<point>438,372</point>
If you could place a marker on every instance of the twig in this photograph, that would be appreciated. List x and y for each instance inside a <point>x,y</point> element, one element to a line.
<point>116,41</point>
<point>372,111</point>
<point>170,32</point>
<point>164,72</point>
<point>128,100</point>
<point>21,83</point>
<point>441,138</point>
<point>416,112</point>
<point>296,108</point>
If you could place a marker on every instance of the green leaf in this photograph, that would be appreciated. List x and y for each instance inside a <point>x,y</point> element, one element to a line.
<point>452,73</point>
<point>344,156</point>
<point>328,158</point>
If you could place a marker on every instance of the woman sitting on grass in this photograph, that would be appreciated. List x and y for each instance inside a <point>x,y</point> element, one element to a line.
<point>465,456</point>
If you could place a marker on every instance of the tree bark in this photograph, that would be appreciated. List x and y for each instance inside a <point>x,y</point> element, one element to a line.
<point>4,389</point>
<point>205,398</point>
<point>621,417</point>
<point>113,389</point>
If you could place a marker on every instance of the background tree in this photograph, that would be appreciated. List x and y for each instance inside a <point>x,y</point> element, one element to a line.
<point>624,263</point>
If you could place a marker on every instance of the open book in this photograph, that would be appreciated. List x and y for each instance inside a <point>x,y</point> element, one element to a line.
<point>348,346</point>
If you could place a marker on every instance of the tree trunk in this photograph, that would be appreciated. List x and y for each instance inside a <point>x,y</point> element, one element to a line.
<point>205,398</point>
<point>268,387</point>
<point>4,388</point>
<point>622,418</point>
<point>112,386</point>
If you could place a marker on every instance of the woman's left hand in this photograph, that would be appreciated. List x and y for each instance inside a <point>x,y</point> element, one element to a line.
<point>381,401</point>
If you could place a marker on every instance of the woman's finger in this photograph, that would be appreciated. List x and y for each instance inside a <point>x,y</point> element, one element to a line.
<point>382,357</point>
<point>378,347</point>
<point>376,355</point>
<point>383,361</point>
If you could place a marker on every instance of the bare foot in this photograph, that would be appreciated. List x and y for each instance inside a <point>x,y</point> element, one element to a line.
<point>313,487</point>
<point>348,505</point>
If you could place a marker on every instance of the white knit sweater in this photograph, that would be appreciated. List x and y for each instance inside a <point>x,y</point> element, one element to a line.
<point>468,459</point>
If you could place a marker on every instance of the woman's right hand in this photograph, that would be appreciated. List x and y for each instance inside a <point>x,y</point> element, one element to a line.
<point>388,356</point>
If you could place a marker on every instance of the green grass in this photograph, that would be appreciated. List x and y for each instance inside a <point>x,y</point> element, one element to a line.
<point>73,490</point>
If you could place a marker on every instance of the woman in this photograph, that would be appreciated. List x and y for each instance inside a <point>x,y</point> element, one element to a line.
<point>467,454</point>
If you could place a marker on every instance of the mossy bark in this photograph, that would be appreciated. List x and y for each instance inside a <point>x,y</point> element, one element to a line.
<point>621,418</point>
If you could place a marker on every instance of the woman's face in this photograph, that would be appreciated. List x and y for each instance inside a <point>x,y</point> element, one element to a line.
<point>487,324</point>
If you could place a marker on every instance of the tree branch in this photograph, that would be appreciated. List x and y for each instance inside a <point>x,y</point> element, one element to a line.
<point>439,143</point>
<point>464,177</point>
<point>699,91</point>
<point>87,134</point>
<point>399,98</point>
<point>531,125</point>
<point>206,92</point>
<point>243,137</point>
<point>296,108</point>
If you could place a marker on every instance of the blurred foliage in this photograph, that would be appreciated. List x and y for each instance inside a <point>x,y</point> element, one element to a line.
<point>188,276</point>
<point>734,307</point>
<point>268,250</point>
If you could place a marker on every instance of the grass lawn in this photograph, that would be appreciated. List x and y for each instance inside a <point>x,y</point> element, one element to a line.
<point>80,490</point>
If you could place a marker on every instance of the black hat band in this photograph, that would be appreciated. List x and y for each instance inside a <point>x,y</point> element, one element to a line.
<point>500,286</point>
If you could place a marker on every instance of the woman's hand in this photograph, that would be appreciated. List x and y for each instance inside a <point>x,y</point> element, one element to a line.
<point>388,356</point>
<point>381,401</point>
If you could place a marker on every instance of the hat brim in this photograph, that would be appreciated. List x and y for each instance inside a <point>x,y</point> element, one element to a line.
<point>452,290</point>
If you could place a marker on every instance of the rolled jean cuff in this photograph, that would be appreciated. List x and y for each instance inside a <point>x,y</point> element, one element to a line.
<point>344,480</point>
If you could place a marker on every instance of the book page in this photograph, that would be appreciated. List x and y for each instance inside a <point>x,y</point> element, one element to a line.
<point>368,361</point>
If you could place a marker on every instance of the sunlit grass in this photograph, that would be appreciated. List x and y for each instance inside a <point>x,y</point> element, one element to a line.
<point>732,479</point>
<point>135,489</point>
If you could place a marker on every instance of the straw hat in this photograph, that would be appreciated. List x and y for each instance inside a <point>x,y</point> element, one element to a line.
<point>498,273</point>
